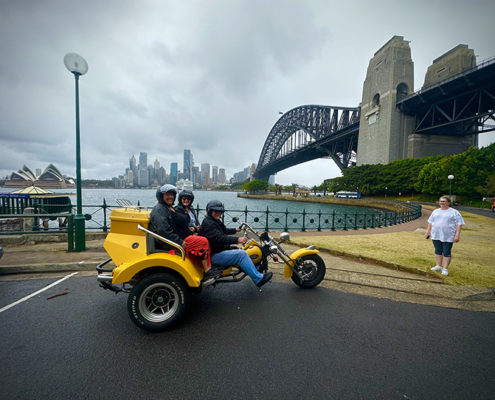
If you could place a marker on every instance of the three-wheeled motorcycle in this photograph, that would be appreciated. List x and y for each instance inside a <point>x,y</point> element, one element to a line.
<point>160,283</point>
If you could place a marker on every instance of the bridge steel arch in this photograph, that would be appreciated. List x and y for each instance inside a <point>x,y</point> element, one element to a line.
<point>332,133</point>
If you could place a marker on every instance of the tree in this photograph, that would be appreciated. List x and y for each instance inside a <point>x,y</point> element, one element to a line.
<point>489,189</point>
<point>314,189</point>
<point>471,170</point>
<point>293,188</point>
<point>255,186</point>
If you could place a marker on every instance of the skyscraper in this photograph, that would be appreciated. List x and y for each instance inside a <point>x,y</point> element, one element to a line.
<point>214,176</point>
<point>132,163</point>
<point>143,176</point>
<point>205,173</point>
<point>221,176</point>
<point>195,175</point>
<point>173,173</point>
<point>143,160</point>
<point>187,164</point>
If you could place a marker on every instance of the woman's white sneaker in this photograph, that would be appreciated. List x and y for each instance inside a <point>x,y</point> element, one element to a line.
<point>445,271</point>
<point>436,268</point>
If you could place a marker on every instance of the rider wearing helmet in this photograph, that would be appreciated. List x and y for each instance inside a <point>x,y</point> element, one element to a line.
<point>185,206</point>
<point>174,226</point>
<point>220,241</point>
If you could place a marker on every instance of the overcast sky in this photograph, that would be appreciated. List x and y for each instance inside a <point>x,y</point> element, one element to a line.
<point>206,75</point>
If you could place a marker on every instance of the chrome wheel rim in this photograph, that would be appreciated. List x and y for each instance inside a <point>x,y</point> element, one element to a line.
<point>159,302</point>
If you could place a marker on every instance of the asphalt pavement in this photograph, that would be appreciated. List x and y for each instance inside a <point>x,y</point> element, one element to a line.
<point>237,343</point>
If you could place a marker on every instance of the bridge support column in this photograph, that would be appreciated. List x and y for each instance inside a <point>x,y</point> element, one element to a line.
<point>383,129</point>
<point>420,146</point>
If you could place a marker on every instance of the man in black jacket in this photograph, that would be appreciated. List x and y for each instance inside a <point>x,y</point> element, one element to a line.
<point>218,235</point>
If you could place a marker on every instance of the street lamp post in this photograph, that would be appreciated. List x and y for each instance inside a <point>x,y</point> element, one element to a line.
<point>450,186</point>
<point>386,191</point>
<point>78,66</point>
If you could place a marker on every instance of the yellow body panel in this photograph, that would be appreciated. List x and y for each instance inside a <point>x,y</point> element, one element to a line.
<point>120,247</point>
<point>190,271</point>
<point>254,251</point>
<point>126,220</point>
<point>297,254</point>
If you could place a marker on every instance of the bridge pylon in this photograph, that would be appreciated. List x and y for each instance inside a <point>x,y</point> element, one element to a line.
<point>383,128</point>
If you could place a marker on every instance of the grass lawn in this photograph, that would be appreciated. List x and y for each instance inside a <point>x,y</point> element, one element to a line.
<point>473,257</point>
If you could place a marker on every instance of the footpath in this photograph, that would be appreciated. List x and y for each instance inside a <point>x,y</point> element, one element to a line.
<point>26,257</point>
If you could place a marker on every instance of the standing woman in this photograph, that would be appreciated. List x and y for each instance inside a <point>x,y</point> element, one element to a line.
<point>174,226</point>
<point>185,206</point>
<point>444,227</point>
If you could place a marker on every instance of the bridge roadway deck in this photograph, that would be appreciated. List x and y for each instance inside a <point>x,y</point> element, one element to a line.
<point>369,278</point>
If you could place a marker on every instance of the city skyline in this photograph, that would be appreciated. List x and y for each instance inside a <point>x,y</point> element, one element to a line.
<point>169,76</point>
<point>145,174</point>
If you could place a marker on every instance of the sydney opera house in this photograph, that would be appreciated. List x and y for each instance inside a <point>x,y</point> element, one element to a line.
<point>51,178</point>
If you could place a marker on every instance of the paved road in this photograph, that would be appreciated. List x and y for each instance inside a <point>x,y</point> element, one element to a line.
<point>479,211</point>
<point>283,343</point>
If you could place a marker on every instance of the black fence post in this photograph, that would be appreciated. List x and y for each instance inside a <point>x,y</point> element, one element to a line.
<point>319,220</point>
<point>355,221</point>
<point>333,220</point>
<point>286,218</point>
<point>345,222</point>
<point>36,224</point>
<point>104,206</point>
<point>304,220</point>
<point>70,233</point>
<point>267,213</point>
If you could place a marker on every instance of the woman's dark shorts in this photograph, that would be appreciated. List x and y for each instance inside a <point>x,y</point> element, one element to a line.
<point>442,248</point>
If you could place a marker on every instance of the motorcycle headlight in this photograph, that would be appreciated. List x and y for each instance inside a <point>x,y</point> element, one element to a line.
<point>284,237</point>
<point>273,249</point>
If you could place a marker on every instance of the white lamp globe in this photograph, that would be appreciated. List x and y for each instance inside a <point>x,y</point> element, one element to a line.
<point>75,63</point>
<point>450,177</point>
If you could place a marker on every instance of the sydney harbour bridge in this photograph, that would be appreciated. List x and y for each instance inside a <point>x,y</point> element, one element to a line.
<point>444,117</point>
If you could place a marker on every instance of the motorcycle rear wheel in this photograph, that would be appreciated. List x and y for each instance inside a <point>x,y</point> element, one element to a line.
<point>158,301</point>
<point>315,266</point>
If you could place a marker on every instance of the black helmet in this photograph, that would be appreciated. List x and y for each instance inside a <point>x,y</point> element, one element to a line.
<point>214,205</point>
<point>186,193</point>
<point>165,189</point>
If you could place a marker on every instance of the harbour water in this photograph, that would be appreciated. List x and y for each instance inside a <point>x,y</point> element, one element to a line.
<point>281,215</point>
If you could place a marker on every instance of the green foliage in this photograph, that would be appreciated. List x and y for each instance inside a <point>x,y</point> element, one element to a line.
<point>473,173</point>
<point>255,186</point>
<point>398,177</point>
<point>237,185</point>
<point>489,189</point>
<point>471,169</point>
<point>96,183</point>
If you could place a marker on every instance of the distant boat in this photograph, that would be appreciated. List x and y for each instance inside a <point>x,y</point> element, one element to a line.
<point>184,185</point>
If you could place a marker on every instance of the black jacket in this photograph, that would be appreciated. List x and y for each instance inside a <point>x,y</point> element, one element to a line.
<point>217,234</point>
<point>180,208</point>
<point>162,224</point>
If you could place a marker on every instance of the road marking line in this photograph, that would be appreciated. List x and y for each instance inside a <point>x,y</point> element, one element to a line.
<point>35,293</point>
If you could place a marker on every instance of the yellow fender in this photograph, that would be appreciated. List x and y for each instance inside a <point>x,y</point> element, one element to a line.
<point>191,272</point>
<point>297,254</point>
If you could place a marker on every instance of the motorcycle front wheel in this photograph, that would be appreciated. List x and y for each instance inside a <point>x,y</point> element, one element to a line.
<point>158,301</point>
<point>314,267</point>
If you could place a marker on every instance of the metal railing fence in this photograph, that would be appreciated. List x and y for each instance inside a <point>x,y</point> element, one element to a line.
<point>97,218</point>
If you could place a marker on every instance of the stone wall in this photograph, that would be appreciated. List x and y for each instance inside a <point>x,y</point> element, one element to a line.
<point>11,224</point>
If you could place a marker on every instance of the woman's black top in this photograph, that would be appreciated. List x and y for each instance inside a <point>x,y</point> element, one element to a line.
<point>181,223</point>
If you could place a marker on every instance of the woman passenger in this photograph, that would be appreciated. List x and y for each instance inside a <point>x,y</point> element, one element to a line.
<point>174,226</point>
